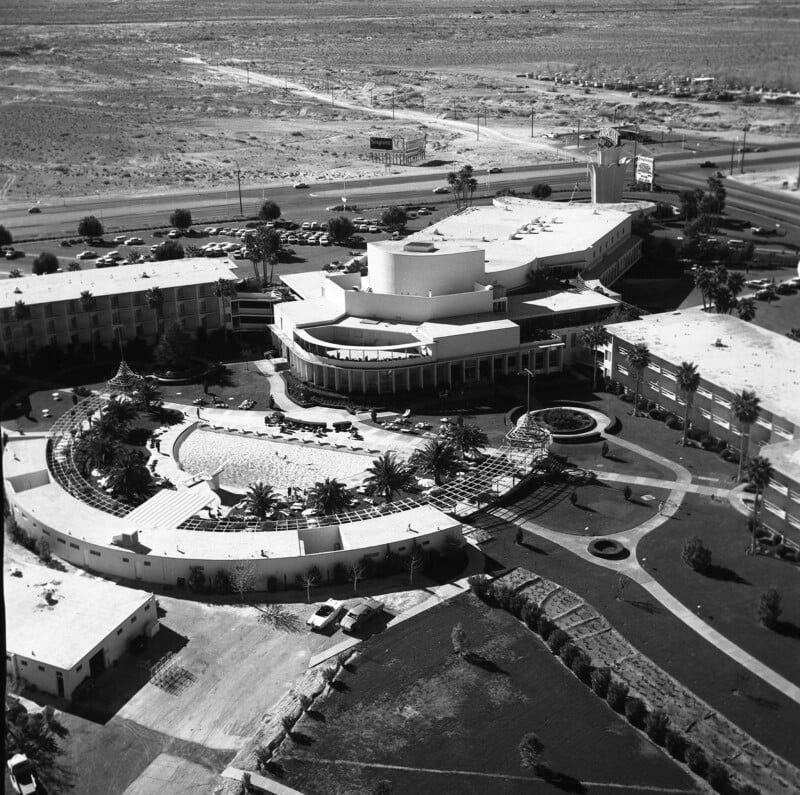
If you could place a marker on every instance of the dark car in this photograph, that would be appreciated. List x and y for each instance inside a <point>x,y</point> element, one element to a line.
<point>12,253</point>
<point>495,170</point>
<point>34,209</point>
<point>708,164</point>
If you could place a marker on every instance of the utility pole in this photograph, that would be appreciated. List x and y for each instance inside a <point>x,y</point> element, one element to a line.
<point>744,148</point>
<point>478,128</point>
<point>392,105</point>
<point>239,182</point>
<point>733,153</point>
<point>578,136</point>
<point>247,67</point>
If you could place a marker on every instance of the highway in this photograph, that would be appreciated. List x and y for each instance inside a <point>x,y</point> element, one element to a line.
<point>676,171</point>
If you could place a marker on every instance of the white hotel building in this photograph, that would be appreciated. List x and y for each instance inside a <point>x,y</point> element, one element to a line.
<point>444,306</point>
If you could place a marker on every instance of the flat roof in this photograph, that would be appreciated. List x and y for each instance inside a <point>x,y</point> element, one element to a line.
<point>113,281</point>
<point>555,302</point>
<point>542,229</point>
<point>784,457</point>
<point>394,528</point>
<point>749,357</point>
<point>86,610</point>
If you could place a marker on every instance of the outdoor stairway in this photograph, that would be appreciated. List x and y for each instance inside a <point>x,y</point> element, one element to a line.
<point>170,508</point>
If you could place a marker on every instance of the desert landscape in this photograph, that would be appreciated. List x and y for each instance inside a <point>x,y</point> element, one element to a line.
<point>119,98</point>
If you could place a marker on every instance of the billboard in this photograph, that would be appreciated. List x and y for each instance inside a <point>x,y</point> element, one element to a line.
<point>645,169</point>
<point>376,142</point>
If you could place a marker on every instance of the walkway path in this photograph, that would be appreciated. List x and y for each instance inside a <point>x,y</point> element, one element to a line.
<point>633,568</point>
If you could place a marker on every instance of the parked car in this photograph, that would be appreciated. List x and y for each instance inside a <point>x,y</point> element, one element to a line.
<point>88,254</point>
<point>764,231</point>
<point>495,170</point>
<point>13,253</point>
<point>34,209</point>
<point>300,185</point>
<point>441,189</point>
<point>119,240</point>
<point>766,294</point>
<point>708,164</point>
<point>360,613</point>
<point>757,283</point>
<point>327,613</point>
<point>20,771</point>
<point>134,241</point>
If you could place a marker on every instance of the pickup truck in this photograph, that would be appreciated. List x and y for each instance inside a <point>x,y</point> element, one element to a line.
<point>361,612</point>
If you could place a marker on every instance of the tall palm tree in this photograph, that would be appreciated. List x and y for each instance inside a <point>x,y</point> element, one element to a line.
<point>387,476</point>
<point>638,357</point>
<point>155,301</point>
<point>746,407</point>
<point>759,473</point>
<point>89,305</point>
<point>468,439</point>
<point>703,280</point>
<point>330,496</point>
<point>746,307</point>
<point>724,299</point>
<point>99,451</point>
<point>435,458</point>
<point>593,337</point>
<point>688,380</point>
<point>129,478</point>
<point>223,288</point>
<point>120,413</point>
<point>736,283</point>
<point>21,314</point>
<point>260,499</point>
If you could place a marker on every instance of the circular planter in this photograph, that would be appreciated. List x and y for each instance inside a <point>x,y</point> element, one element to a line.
<point>564,421</point>
<point>607,548</point>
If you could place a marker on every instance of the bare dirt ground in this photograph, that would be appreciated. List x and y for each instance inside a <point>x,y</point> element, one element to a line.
<point>116,98</point>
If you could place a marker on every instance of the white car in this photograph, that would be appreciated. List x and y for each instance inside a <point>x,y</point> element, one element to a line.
<point>134,241</point>
<point>119,239</point>
<point>325,615</point>
<point>20,772</point>
<point>87,254</point>
<point>441,189</point>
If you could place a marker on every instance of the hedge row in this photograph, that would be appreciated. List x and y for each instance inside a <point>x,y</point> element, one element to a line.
<point>605,685</point>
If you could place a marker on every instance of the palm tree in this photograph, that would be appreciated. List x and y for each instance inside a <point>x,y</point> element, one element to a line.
<point>155,301</point>
<point>593,337</point>
<point>120,413</point>
<point>99,451</point>
<point>129,478</point>
<point>469,440</point>
<point>759,473</point>
<point>453,182</point>
<point>22,313</point>
<point>736,283</point>
<point>638,357</point>
<point>89,305</point>
<point>703,280</point>
<point>746,407</point>
<point>688,380</point>
<point>260,499</point>
<point>330,496</point>
<point>223,288</point>
<point>746,307</point>
<point>387,476</point>
<point>435,458</point>
<point>724,299</point>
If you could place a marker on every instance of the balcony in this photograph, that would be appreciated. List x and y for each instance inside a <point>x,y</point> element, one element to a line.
<point>377,356</point>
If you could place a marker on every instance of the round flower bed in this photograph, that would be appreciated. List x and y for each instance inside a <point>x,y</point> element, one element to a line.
<point>564,422</point>
<point>607,548</point>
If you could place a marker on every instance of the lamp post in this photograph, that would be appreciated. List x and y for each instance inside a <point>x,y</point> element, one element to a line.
<point>526,371</point>
<point>239,182</point>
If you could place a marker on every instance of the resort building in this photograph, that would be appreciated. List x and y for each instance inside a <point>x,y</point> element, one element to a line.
<point>121,312</point>
<point>62,628</point>
<point>731,355</point>
<point>448,304</point>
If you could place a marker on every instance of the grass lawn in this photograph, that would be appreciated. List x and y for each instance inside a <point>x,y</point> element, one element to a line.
<point>438,712</point>
<point>765,713</point>
<point>588,456</point>
<point>601,507</point>
<point>730,593</point>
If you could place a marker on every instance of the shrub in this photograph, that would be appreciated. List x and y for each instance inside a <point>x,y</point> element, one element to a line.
<point>573,498</point>
<point>503,594</point>
<point>222,582</point>
<point>569,653</point>
<point>263,755</point>
<point>304,701</point>
<point>545,627</point>
<point>635,711</point>
<point>616,695</point>
<point>531,614</point>
<point>582,667</point>
<point>601,679</point>
<point>696,556</point>
<point>287,724</point>
<point>196,579</point>
<point>479,585</point>
<point>769,608</point>
<point>656,726</point>
<point>329,674</point>
<point>675,744</point>
<point>557,640</point>
<point>516,603</point>
<point>696,759</point>
<point>42,549</point>
<point>458,638</point>
<point>718,776</point>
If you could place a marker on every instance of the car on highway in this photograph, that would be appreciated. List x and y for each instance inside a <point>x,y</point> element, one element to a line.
<point>708,164</point>
<point>360,613</point>
<point>757,283</point>
<point>20,773</point>
<point>326,614</point>
<point>88,254</point>
<point>764,231</point>
<point>300,186</point>
<point>495,170</point>
<point>441,189</point>
<point>13,253</point>
<point>119,240</point>
<point>134,241</point>
<point>34,209</point>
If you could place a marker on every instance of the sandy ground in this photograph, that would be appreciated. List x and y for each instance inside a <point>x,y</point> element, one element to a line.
<point>785,181</point>
<point>118,102</point>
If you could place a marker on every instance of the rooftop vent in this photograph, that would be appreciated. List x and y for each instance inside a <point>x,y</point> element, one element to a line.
<point>420,247</point>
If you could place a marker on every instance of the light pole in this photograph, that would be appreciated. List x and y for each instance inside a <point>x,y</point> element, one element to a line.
<point>239,182</point>
<point>744,148</point>
<point>526,371</point>
<point>531,121</point>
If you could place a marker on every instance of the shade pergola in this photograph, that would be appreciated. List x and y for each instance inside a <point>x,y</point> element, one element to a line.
<point>124,381</point>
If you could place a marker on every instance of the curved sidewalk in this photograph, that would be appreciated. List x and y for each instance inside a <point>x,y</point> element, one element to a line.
<point>631,567</point>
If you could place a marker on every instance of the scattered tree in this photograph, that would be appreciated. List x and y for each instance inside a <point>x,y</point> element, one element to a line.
<point>414,562</point>
<point>181,219</point>
<point>129,478</point>
<point>243,578</point>
<point>458,638</point>
<point>746,309</point>
<point>394,218</point>
<point>263,247</point>
<point>356,571</point>
<point>387,476</point>
<point>311,579</point>
<point>340,228</point>
<point>595,337</point>
<point>175,349</point>
<point>269,211</point>
<point>696,556</point>
<point>330,496</point>
<point>746,407</point>
<point>769,608</point>
<point>759,473</point>
<point>90,227</point>
<point>168,250</point>
<point>531,749</point>
<point>6,238</point>
<point>469,440</point>
<point>45,263</point>
<point>436,459</point>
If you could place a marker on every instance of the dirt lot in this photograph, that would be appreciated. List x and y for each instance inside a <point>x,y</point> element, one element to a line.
<point>114,98</point>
